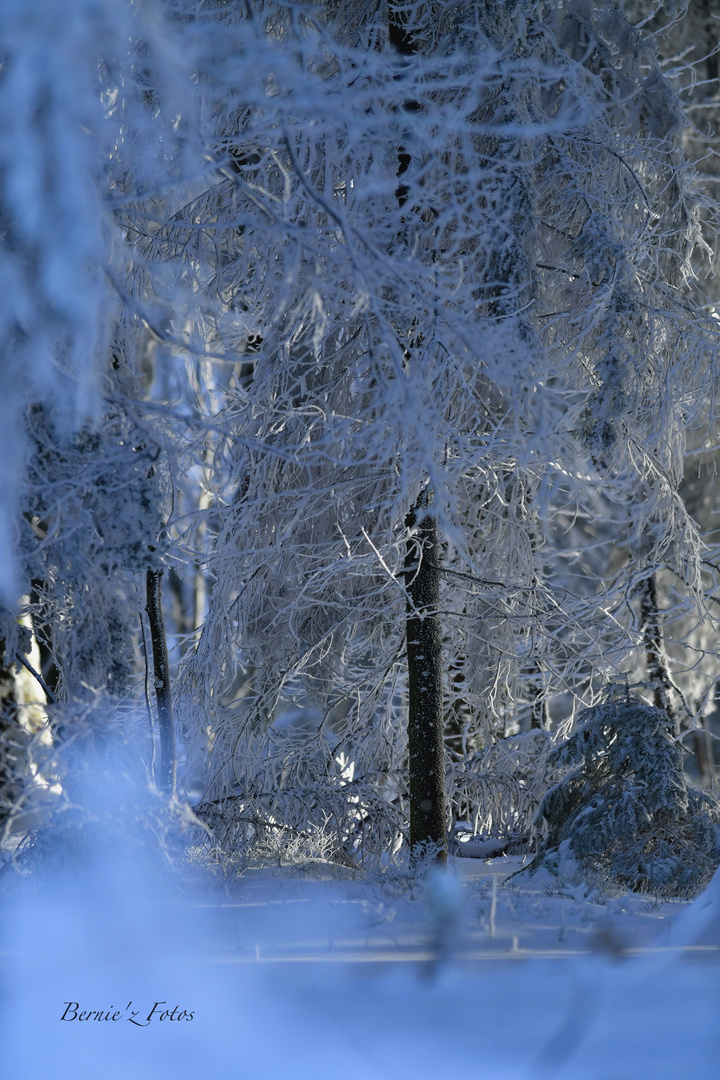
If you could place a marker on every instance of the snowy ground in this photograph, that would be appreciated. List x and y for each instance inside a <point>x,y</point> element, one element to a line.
<point>475,916</point>
<point>310,976</point>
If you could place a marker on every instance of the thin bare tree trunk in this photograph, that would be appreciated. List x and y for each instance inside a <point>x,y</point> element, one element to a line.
<point>540,710</point>
<point>12,763</point>
<point>661,681</point>
<point>426,748</point>
<point>459,714</point>
<point>657,669</point>
<point>42,629</point>
<point>161,668</point>
<point>703,747</point>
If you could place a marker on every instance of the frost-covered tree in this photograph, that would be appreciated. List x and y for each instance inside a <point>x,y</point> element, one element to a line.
<point>622,809</point>
<point>80,507</point>
<point>688,46</point>
<point>410,286</point>
<point>676,639</point>
<point>445,250</point>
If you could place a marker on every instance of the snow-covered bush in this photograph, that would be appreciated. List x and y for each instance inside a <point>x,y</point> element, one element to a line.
<point>623,810</point>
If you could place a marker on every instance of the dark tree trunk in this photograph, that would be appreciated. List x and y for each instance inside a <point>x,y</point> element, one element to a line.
<point>161,669</point>
<point>703,747</point>
<point>12,765</point>
<point>458,722</point>
<point>182,597</point>
<point>657,669</point>
<point>426,750</point>
<point>426,747</point>
<point>661,682</point>
<point>42,628</point>
<point>539,709</point>
<point>710,42</point>
<point>540,715</point>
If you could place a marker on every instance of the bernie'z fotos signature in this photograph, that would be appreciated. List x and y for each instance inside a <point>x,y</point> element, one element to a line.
<point>73,1012</point>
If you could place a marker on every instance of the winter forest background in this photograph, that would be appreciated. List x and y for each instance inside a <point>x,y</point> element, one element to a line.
<point>359,491</point>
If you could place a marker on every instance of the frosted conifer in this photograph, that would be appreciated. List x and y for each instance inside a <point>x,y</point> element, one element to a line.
<point>623,808</point>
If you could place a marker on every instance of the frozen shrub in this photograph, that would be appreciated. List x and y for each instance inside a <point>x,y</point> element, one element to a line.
<point>623,809</point>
